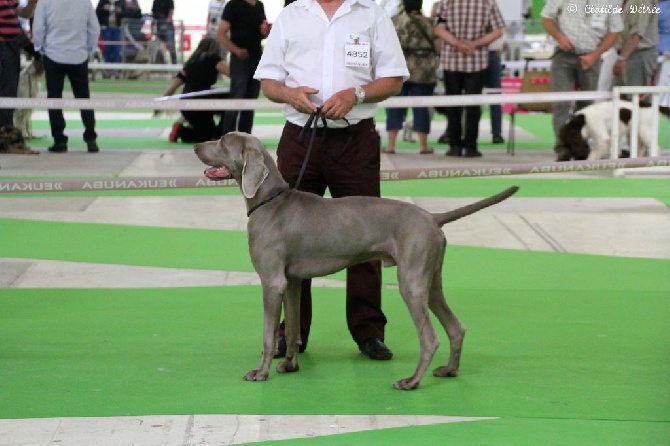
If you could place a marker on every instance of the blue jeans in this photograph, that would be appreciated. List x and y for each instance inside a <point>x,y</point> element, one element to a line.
<point>165,31</point>
<point>10,67</point>
<point>493,75</point>
<point>395,117</point>
<point>112,51</point>
<point>55,74</point>
<point>242,86</point>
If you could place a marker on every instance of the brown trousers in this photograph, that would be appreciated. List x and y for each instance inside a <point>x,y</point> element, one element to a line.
<point>346,162</point>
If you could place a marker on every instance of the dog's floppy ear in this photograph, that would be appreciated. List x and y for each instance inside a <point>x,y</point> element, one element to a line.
<point>625,115</point>
<point>254,171</point>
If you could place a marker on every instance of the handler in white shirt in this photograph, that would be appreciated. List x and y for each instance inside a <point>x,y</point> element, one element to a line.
<point>343,56</point>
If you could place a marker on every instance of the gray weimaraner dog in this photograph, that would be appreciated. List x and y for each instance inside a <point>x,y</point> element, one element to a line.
<point>296,235</point>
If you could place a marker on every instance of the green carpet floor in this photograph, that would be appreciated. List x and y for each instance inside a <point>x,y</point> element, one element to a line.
<point>545,341</point>
<point>566,349</point>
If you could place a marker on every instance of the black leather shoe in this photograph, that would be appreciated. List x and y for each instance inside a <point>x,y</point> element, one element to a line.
<point>92,147</point>
<point>443,139</point>
<point>58,148</point>
<point>454,151</point>
<point>472,153</point>
<point>374,348</point>
<point>281,348</point>
<point>497,139</point>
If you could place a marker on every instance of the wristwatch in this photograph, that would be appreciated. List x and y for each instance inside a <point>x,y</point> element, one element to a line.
<point>360,94</point>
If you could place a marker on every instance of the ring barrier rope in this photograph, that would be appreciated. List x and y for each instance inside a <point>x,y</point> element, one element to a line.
<point>464,171</point>
<point>250,104</point>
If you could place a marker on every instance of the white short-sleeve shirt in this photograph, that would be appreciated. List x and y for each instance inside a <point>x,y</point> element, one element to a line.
<point>305,49</point>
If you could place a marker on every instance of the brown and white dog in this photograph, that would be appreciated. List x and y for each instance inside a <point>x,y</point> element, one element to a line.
<point>587,133</point>
<point>11,141</point>
<point>29,87</point>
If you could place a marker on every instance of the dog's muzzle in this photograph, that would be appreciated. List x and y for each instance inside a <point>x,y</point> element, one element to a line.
<point>217,173</point>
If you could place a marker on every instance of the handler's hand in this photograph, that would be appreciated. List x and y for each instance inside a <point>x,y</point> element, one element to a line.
<point>588,60</point>
<point>338,105</point>
<point>298,98</point>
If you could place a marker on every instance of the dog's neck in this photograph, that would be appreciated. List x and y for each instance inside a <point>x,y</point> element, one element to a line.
<point>253,208</point>
<point>272,187</point>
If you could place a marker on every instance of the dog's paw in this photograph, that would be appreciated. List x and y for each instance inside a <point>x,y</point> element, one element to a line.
<point>287,366</point>
<point>407,384</point>
<point>256,375</point>
<point>445,372</point>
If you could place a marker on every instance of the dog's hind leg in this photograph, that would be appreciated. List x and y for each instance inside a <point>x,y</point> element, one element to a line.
<point>455,330</point>
<point>291,327</point>
<point>273,291</point>
<point>414,291</point>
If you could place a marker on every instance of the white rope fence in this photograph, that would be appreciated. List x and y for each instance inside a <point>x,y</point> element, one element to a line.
<point>251,104</point>
<point>636,92</point>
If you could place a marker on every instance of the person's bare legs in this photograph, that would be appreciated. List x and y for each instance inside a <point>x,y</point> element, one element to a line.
<point>392,136</point>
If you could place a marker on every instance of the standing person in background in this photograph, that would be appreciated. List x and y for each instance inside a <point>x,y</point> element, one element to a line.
<point>467,27</point>
<point>493,79</point>
<point>636,46</point>
<point>246,22</point>
<point>12,41</point>
<point>581,38</point>
<point>416,34</point>
<point>214,13</point>
<point>108,16</point>
<point>66,32</point>
<point>301,71</point>
<point>163,11</point>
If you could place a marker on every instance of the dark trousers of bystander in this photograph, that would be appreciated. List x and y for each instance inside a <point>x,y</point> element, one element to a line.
<point>55,74</point>
<point>10,67</point>
<point>242,86</point>
<point>457,83</point>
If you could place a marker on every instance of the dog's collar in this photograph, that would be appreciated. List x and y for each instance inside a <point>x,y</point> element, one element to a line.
<point>266,201</point>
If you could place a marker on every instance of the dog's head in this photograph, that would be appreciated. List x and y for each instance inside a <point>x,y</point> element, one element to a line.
<point>572,137</point>
<point>237,155</point>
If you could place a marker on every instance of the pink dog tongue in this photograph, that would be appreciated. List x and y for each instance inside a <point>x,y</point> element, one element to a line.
<point>217,173</point>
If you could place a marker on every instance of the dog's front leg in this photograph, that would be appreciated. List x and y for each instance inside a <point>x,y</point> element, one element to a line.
<point>272,299</point>
<point>291,327</point>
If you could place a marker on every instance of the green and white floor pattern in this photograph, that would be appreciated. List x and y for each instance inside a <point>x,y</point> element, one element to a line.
<point>131,317</point>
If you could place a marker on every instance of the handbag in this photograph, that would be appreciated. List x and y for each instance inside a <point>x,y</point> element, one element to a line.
<point>536,81</point>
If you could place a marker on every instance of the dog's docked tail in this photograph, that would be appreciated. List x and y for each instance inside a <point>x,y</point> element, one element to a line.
<point>448,217</point>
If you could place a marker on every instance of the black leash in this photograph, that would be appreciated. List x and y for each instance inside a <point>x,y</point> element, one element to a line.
<point>312,124</point>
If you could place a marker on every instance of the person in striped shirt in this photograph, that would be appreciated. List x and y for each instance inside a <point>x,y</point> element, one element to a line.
<point>12,40</point>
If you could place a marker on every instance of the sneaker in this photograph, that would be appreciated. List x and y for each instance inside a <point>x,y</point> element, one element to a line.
<point>176,130</point>
<point>92,147</point>
<point>454,151</point>
<point>60,147</point>
<point>374,348</point>
<point>497,139</point>
<point>472,153</point>
<point>281,348</point>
